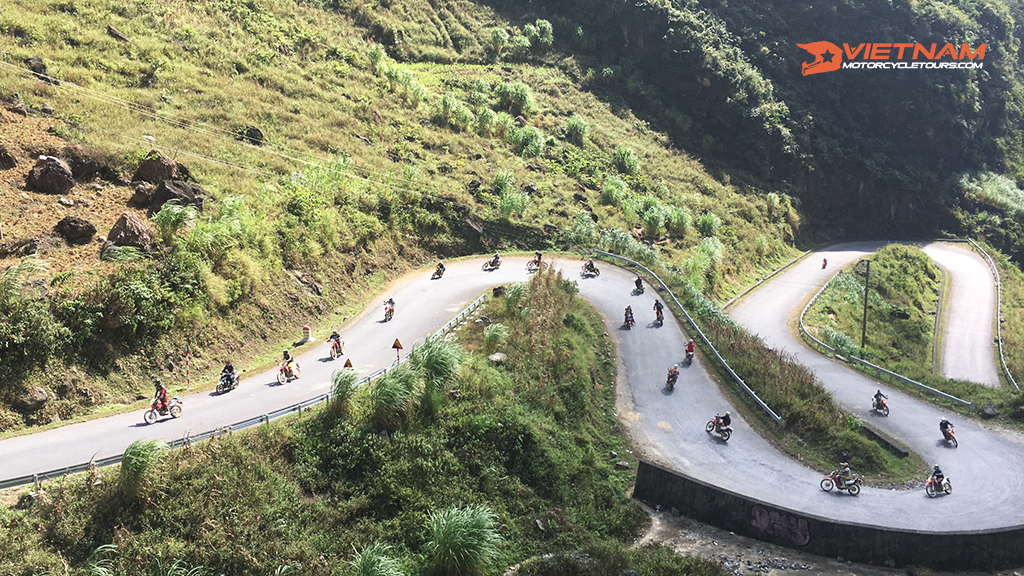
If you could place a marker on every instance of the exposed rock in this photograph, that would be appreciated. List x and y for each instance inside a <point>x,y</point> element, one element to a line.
<point>622,464</point>
<point>521,121</point>
<point>498,357</point>
<point>594,217</point>
<point>130,230</point>
<point>36,65</point>
<point>156,168</point>
<point>1018,413</point>
<point>579,197</point>
<point>530,188</point>
<point>51,176</point>
<point>33,400</point>
<point>117,33</point>
<point>498,291</point>
<point>65,201</point>
<point>7,160</point>
<point>474,186</point>
<point>46,109</point>
<point>143,195</point>
<point>20,108</point>
<point>252,135</point>
<point>75,230</point>
<point>185,194</point>
<point>83,166</point>
<point>989,411</point>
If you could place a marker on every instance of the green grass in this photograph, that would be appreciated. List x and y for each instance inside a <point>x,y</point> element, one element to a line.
<point>529,439</point>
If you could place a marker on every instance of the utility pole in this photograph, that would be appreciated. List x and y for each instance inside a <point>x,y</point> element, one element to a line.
<point>864,329</point>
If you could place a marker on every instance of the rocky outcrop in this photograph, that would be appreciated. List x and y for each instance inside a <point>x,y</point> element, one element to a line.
<point>130,230</point>
<point>75,230</point>
<point>50,175</point>
<point>33,400</point>
<point>36,65</point>
<point>7,160</point>
<point>143,195</point>
<point>252,135</point>
<point>156,168</point>
<point>186,195</point>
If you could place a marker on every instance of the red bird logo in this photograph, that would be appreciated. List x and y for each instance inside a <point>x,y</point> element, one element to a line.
<point>827,57</point>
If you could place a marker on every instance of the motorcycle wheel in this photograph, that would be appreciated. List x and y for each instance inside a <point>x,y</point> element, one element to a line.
<point>150,416</point>
<point>486,266</point>
<point>948,488</point>
<point>281,378</point>
<point>175,411</point>
<point>710,427</point>
<point>531,265</point>
<point>930,490</point>
<point>853,489</point>
<point>296,371</point>
<point>334,352</point>
<point>221,388</point>
<point>725,435</point>
<point>827,484</point>
<point>885,410</point>
<point>671,385</point>
<point>597,272</point>
<point>952,440</point>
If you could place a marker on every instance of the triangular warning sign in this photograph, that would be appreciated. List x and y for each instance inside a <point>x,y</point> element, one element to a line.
<point>397,345</point>
<point>348,363</point>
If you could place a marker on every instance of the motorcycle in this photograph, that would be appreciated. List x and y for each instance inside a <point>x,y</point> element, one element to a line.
<point>490,264</point>
<point>286,373</point>
<point>389,312</point>
<point>715,425</point>
<point>533,265</point>
<point>438,272</point>
<point>949,436</point>
<point>660,317</point>
<point>880,405</point>
<point>228,382</point>
<point>337,349</point>
<point>172,408</point>
<point>589,271</point>
<point>689,357</point>
<point>628,321</point>
<point>834,480</point>
<point>933,488</point>
<point>639,287</point>
<point>673,376</point>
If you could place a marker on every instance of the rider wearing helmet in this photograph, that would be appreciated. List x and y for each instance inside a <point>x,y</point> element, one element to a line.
<point>287,359</point>
<point>845,474</point>
<point>494,261</point>
<point>590,265</point>
<point>639,282</point>
<point>160,397</point>
<point>658,307</point>
<point>440,266</point>
<point>690,347</point>
<point>629,314</point>
<point>937,475</point>
<point>944,427</point>
<point>726,420</point>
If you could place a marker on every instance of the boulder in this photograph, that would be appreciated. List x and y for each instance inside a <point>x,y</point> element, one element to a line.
<point>33,400</point>
<point>36,65</point>
<point>130,230</point>
<point>7,160</point>
<point>84,167</point>
<point>20,108</point>
<point>51,176</point>
<point>579,197</point>
<point>75,230</point>
<point>989,411</point>
<point>186,195</point>
<point>46,109</point>
<point>474,186</point>
<point>1018,413</point>
<point>530,189</point>
<point>252,135</point>
<point>143,195</point>
<point>155,168</point>
<point>498,357</point>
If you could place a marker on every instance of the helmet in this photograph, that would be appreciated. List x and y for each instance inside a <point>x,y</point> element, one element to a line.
<point>726,413</point>
<point>844,464</point>
<point>285,350</point>
<point>936,467</point>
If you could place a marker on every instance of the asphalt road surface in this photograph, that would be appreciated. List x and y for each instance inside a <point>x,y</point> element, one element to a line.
<point>670,425</point>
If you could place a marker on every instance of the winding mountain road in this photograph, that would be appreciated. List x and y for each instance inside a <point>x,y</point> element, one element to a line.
<point>670,425</point>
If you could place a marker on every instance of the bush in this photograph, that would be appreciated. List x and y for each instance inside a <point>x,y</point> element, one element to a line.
<point>343,387</point>
<point>513,202</point>
<point>842,343</point>
<point>503,182</point>
<point>576,130</point>
<point>137,464</point>
<point>679,220</point>
<point>374,561</point>
<point>707,223</point>
<point>463,540</point>
<point>583,231</point>
<point>394,398</point>
<point>520,46</point>
<point>485,121</point>
<point>515,97</point>
<point>626,160</point>
<point>653,214</point>
<point>438,360</point>
<point>376,55</point>
<point>172,218</point>
<point>494,335</point>
<point>545,34</point>
<point>613,190</point>
<point>623,243</point>
<point>499,39</point>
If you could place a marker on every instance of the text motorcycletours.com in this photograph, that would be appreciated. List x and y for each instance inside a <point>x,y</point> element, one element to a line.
<point>913,65</point>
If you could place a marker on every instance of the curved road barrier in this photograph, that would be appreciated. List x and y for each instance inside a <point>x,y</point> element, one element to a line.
<point>999,310</point>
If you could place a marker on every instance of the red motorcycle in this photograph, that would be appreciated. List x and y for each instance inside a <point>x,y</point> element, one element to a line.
<point>533,265</point>
<point>933,488</point>
<point>172,408</point>
<point>880,405</point>
<point>628,320</point>
<point>337,349</point>
<point>949,436</point>
<point>491,264</point>
<point>287,372</point>
<point>715,425</point>
<point>673,376</point>
<point>836,480</point>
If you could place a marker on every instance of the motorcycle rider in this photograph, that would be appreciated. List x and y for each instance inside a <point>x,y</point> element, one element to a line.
<point>824,262</point>
<point>288,359</point>
<point>658,307</point>
<point>673,374</point>
<point>937,476</point>
<point>944,427</point>
<point>726,420</point>
<point>335,338</point>
<point>629,315</point>
<point>590,265</point>
<point>845,474</point>
<point>160,398</point>
<point>878,398</point>
<point>440,267</point>
<point>639,283</point>
<point>495,259</point>
<point>690,347</point>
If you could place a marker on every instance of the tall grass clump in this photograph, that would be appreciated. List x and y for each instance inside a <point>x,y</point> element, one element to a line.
<point>485,121</point>
<point>374,561</point>
<point>840,341</point>
<point>172,218</point>
<point>395,397</point>
<point>376,56</point>
<point>702,267</point>
<point>545,34</point>
<point>137,464</point>
<point>576,130</point>
<point>513,295</point>
<point>679,220</point>
<point>503,182</point>
<point>499,40</point>
<point>495,334</point>
<point>613,190</point>
<point>994,189</point>
<point>529,141</point>
<point>582,231</point>
<point>626,160</point>
<point>623,243</point>
<point>463,540</point>
<point>15,278</point>
<point>520,46</point>
<point>439,361</point>
<point>653,214</point>
<point>513,202</point>
<point>343,387</point>
<point>707,223</point>
<point>515,97</point>
<point>503,124</point>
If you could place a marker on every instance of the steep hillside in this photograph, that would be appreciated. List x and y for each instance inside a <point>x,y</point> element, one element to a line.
<point>488,140</point>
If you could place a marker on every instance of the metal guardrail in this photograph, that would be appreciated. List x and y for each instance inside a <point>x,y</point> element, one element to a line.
<point>879,371</point>
<point>254,421</point>
<point>778,419</point>
<point>999,310</point>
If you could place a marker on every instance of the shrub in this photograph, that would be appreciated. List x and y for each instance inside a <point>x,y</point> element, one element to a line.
<point>503,182</point>
<point>494,335</point>
<point>515,97</point>
<point>576,130</point>
<point>504,123</point>
<point>438,360</point>
<point>626,160</point>
<point>376,55</point>
<point>121,254</point>
<point>462,117</point>
<point>513,202</point>
<point>545,34</point>
<point>173,217</point>
<point>702,265</point>
<point>463,540</point>
<point>613,190</point>
<point>394,398</point>
<point>842,343</point>
<point>707,223</point>
<point>343,386</point>
<point>138,462</point>
<point>679,219</point>
<point>513,294</point>
<point>416,94</point>
<point>374,561</point>
<point>583,231</point>
<point>520,46</point>
<point>653,214</point>
<point>485,121</point>
<point>499,39</point>
<point>623,243</point>
<point>529,142</point>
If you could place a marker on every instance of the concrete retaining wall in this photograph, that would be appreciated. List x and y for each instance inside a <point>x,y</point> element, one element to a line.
<point>980,550</point>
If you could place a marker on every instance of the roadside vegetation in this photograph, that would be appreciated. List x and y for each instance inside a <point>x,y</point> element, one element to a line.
<point>450,464</point>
